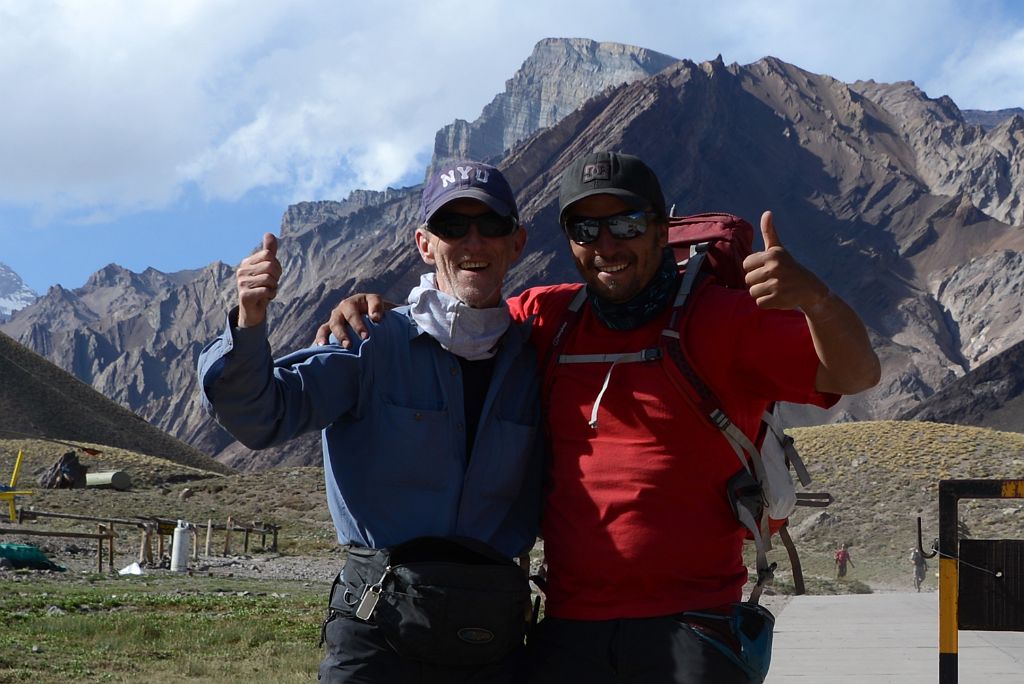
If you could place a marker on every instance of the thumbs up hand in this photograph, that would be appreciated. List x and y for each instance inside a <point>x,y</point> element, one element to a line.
<point>768,234</point>
<point>776,280</point>
<point>257,278</point>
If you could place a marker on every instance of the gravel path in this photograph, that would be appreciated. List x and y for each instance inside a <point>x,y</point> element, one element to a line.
<point>318,569</point>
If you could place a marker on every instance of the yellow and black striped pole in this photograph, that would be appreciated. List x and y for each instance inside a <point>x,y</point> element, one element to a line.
<point>950,493</point>
<point>949,581</point>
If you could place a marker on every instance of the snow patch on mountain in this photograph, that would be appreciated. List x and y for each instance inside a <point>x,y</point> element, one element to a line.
<point>14,293</point>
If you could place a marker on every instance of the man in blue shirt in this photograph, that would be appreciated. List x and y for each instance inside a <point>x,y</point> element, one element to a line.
<point>430,426</point>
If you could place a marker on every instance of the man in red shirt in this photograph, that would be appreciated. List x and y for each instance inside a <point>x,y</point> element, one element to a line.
<point>639,533</point>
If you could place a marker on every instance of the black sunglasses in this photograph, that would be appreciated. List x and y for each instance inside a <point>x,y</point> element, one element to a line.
<point>455,226</point>
<point>624,226</point>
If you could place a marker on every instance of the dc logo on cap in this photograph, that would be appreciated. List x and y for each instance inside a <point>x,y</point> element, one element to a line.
<point>597,171</point>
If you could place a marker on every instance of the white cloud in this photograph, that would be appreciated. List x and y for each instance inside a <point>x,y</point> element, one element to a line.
<point>989,74</point>
<point>105,97</point>
<point>115,105</point>
<point>121,103</point>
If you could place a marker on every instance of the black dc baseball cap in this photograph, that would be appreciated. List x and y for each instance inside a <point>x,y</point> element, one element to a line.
<point>611,173</point>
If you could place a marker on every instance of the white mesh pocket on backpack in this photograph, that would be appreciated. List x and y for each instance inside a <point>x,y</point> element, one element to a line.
<point>779,490</point>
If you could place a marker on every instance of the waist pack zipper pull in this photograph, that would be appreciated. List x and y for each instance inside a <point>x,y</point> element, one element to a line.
<point>371,595</point>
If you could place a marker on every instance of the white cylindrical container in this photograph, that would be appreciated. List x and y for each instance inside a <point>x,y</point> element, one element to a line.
<point>180,547</point>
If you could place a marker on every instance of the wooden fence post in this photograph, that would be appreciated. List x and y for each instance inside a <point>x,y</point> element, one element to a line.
<point>99,550</point>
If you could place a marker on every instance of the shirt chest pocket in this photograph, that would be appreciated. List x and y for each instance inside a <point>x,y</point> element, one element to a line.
<point>414,447</point>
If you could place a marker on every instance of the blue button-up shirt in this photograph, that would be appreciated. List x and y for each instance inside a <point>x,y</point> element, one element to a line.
<point>394,442</point>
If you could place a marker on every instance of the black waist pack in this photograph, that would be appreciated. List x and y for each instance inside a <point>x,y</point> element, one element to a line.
<point>440,600</point>
<point>748,630</point>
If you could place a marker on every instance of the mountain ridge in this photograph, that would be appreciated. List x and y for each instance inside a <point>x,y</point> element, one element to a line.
<point>859,196</point>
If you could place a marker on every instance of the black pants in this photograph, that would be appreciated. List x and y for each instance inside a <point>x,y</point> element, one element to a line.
<point>661,650</point>
<point>358,654</point>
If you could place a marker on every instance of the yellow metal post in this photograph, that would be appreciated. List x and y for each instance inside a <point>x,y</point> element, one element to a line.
<point>949,586</point>
<point>12,492</point>
<point>17,469</point>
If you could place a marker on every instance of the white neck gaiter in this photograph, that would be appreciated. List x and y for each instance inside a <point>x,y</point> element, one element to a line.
<point>470,333</point>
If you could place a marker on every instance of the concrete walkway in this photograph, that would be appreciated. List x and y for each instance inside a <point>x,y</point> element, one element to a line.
<point>882,639</point>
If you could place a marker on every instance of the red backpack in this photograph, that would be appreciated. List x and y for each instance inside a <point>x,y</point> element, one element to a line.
<point>712,247</point>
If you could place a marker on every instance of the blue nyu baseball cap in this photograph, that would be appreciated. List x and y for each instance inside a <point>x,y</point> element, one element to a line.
<point>470,179</point>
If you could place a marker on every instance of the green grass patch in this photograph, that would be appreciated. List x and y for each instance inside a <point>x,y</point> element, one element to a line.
<point>198,630</point>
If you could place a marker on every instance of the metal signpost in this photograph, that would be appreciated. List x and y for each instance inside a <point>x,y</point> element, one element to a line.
<point>981,581</point>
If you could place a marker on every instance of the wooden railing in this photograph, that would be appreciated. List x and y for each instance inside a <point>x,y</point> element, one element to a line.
<point>151,528</point>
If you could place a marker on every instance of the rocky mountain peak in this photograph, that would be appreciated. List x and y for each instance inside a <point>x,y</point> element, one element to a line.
<point>110,275</point>
<point>1010,130</point>
<point>559,76</point>
<point>303,214</point>
<point>987,119</point>
<point>14,293</point>
<point>952,156</point>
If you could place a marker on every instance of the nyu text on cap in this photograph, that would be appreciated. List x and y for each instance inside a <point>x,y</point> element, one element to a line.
<point>468,179</point>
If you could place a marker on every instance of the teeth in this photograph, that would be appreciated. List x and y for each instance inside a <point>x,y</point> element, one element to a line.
<point>473,264</point>
<point>612,269</point>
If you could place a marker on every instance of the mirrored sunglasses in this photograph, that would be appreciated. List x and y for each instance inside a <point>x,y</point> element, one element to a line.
<point>455,226</point>
<point>624,226</point>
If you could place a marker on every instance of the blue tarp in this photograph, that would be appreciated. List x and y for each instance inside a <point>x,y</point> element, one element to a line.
<point>28,556</point>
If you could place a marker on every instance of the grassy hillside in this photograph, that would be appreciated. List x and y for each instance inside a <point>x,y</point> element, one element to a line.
<point>884,475</point>
<point>40,400</point>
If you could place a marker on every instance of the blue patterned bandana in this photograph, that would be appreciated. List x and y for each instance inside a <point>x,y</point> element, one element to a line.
<point>646,305</point>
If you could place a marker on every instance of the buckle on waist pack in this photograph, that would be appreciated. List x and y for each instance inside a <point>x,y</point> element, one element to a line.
<point>652,354</point>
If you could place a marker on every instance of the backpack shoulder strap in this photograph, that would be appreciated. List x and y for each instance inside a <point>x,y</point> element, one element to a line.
<point>746,498</point>
<point>569,320</point>
<point>695,390</point>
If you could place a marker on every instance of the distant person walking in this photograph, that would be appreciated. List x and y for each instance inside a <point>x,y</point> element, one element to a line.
<point>842,558</point>
<point>920,567</point>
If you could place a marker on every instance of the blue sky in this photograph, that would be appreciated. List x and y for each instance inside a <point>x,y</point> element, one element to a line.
<point>173,134</point>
